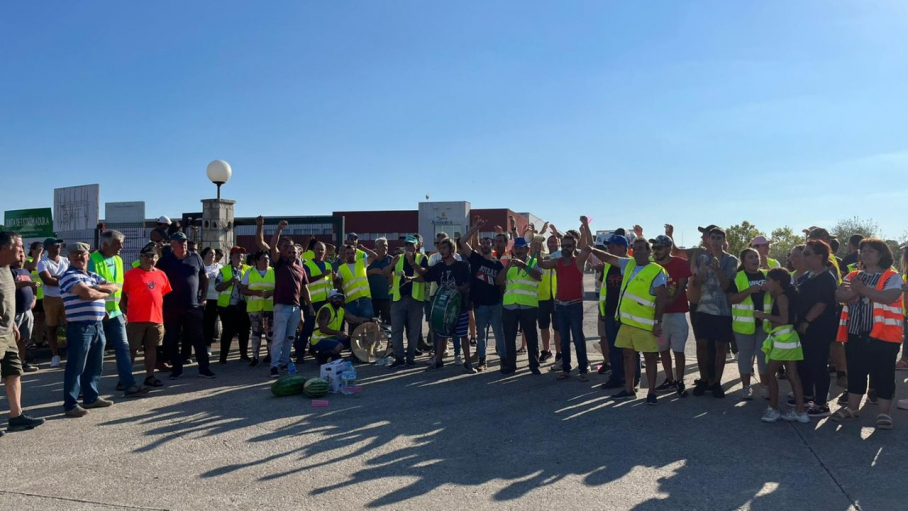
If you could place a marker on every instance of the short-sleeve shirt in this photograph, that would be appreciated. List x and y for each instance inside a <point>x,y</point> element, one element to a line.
<point>24,295</point>
<point>658,281</point>
<point>183,275</point>
<point>378,284</point>
<point>7,310</point>
<point>406,286</point>
<point>145,292</point>
<point>79,310</point>
<point>677,269</point>
<point>814,289</point>
<point>483,289</point>
<point>456,274</point>
<point>289,279</point>
<point>714,299</point>
<point>860,310</point>
<point>56,269</point>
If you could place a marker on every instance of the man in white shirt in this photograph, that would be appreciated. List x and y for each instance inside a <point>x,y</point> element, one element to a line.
<point>50,269</point>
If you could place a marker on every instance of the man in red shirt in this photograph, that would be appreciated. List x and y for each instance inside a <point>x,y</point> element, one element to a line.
<point>674,319</point>
<point>144,288</point>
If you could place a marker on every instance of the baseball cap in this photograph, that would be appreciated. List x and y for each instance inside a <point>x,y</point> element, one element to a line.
<point>237,250</point>
<point>520,242</point>
<point>617,239</point>
<point>411,240</point>
<point>706,229</point>
<point>52,241</point>
<point>149,248</point>
<point>351,235</point>
<point>79,247</point>
<point>662,239</point>
<point>178,236</point>
<point>164,220</point>
<point>759,240</point>
<point>335,292</point>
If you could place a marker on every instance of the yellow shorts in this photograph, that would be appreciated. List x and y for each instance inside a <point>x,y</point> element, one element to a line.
<point>637,339</point>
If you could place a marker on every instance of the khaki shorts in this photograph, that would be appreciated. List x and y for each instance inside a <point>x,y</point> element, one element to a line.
<point>54,312</point>
<point>636,339</point>
<point>144,335</point>
<point>10,364</point>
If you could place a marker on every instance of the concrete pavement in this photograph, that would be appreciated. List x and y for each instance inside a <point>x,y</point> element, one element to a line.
<point>417,440</point>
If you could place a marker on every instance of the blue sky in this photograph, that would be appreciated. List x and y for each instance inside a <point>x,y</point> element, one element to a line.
<point>629,112</point>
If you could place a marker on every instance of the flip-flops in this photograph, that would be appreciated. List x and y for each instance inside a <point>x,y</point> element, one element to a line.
<point>845,414</point>
<point>883,421</point>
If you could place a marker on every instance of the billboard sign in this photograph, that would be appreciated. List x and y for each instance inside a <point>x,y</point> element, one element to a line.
<point>30,223</point>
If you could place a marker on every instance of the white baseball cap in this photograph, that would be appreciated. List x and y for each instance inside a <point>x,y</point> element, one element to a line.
<point>164,220</point>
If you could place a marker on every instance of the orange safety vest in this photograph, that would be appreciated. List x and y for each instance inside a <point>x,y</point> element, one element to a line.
<point>887,318</point>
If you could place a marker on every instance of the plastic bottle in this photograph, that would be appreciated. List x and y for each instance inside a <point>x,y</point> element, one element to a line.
<point>348,379</point>
<point>291,368</point>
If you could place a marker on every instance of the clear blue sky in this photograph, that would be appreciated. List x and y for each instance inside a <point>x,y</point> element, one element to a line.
<point>630,112</point>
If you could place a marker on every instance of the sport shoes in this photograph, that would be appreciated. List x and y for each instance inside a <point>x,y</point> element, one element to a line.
<point>545,355</point>
<point>651,399</point>
<point>557,357</point>
<point>771,415</point>
<point>682,392</point>
<point>136,391</point>
<point>435,365</point>
<point>458,360</point>
<point>482,365</point>
<point>604,368</point>
<point>700,387</point>
<point>792,415</point>
<point>275,372</point>
<point>623,395</point>
<point>99,403</point>
<point>667,386</point>
<point>23,422</point>
<point>28,368</point>
<point>55,361</point>
<point>815,410</point>
<point>747,393</point>
<point>468,368</point>
<point>717,390</point>
<point>78,411</point>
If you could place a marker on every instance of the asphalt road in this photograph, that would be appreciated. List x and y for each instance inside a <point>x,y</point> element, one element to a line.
<point>417,440</point>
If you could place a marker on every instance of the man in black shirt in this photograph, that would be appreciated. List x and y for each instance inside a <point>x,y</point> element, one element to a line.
<point>485,294</point>
<point>454,274</point>
<point>183,305</point>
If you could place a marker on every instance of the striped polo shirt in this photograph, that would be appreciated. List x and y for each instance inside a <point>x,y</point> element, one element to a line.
<point>77,309</point>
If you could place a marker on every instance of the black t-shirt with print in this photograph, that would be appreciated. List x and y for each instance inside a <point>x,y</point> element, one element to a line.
<point>483,290</point>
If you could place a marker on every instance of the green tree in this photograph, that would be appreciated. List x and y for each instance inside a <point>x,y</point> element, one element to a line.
<point>739,236</point>
<point>783,240</point>
<point>843,229</point>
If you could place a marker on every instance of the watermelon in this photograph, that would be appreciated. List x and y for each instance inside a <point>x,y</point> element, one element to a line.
<point>289,385</point>
<point>316,387</point>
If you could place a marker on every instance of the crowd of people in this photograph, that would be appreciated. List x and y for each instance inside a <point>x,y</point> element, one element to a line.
<point>817,316</point>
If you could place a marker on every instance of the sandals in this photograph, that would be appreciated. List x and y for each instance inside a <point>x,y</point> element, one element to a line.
<point>563,376</point>
<point>883,421</point>
<point>845,414</point>
<point>151,381</point>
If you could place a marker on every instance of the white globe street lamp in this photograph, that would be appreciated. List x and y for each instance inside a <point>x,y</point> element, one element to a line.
<point>219,172</point>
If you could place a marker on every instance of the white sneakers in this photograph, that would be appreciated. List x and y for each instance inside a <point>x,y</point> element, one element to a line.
<point>771,415</point>
<point>902,404</point>
<point>792,415</point>
<point>747,393</point>
<point>55,361</point>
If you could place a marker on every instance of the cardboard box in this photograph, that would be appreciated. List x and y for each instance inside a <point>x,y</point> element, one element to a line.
<point>331,373</point>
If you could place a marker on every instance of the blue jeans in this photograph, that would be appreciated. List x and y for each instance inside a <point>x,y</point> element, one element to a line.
<point>286,319</point>
<point>115,335</point>
<point>84,362</point>
<point>486,316</point>
<point>361,307</point>
<point>570,324</point>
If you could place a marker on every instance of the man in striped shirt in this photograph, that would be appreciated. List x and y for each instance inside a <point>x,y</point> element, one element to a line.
<point>84,294</point>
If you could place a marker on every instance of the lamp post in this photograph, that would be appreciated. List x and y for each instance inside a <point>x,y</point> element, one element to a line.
<point>217,214</point>
<point>219,172</point>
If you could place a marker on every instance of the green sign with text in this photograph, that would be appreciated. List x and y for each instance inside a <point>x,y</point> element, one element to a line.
<point>30,223</point>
